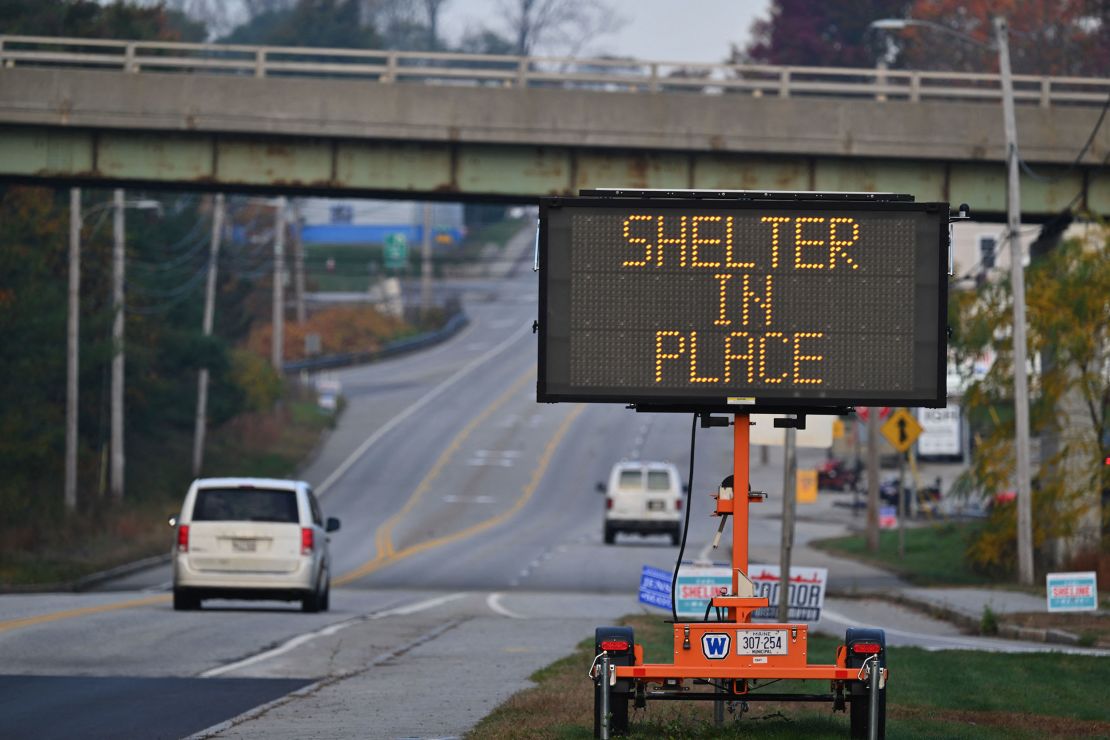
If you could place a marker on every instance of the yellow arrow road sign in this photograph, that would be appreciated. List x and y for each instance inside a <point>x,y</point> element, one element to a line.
<point>901,429</point>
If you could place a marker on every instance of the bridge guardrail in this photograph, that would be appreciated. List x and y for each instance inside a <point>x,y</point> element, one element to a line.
<point>604,74</point>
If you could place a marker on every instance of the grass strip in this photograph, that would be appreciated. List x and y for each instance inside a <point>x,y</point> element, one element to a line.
<point>935,554</point>
<point>944,694</point>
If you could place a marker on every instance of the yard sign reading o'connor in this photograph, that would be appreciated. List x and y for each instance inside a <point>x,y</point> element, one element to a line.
<point>741,301</point>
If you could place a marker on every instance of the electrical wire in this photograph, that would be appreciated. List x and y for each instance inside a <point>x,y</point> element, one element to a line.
<point>686,523</point>
<point>1078,158</point>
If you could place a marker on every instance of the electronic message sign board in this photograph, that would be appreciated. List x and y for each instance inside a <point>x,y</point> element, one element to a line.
<point>740,303</point>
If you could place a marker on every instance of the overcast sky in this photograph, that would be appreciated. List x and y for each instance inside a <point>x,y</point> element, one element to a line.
<point>666,30</point>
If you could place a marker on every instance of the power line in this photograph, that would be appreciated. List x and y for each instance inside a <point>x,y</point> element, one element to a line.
<point>1078,158</point>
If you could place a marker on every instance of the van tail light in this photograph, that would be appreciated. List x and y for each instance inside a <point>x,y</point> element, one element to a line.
<point>614,646</point>
<point>608,503</point>
<point>678,504</point>
<point>306,540</point>
<point>183,538</point>
<point>866,648</point>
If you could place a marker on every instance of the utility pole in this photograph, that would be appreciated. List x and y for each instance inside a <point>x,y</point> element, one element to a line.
<point>298,264</point>
<point>72,345</point>
<point>115,484</point>
<point>790,475</point>
<point>426,263</point>
<point>206,327</point>
<point>873,479</point>
<point>277,344</point>
<point>1017,279</point>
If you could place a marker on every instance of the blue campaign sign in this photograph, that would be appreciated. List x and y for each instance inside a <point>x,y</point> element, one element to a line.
<point>655,587</point>
<point>1072,592</point>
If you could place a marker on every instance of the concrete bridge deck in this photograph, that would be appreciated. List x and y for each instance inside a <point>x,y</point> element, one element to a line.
<point>516,131</point>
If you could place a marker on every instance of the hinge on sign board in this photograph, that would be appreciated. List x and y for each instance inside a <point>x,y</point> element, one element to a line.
<point>536,249</point>
<point>798,422</point>
<point>963,213</point>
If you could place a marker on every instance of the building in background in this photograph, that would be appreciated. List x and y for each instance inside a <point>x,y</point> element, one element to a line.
<point>329,221</point>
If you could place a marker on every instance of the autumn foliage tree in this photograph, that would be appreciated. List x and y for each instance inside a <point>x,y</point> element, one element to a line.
<point>1047,37</point>
<point>1068,303</point>
<point>817,33</point>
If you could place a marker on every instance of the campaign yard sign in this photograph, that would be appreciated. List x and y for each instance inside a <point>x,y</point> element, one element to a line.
<point>1072,592</point>
<point>805,593</point>
<point>655,587</point>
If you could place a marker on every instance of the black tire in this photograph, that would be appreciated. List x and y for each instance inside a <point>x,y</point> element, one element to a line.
<point>325,602</point>
<point>859,709</point>
<point>183,601</point>
<point>676,536</point>
<point>312,601</point>
<point>610,535</point>
<point>618,712</point>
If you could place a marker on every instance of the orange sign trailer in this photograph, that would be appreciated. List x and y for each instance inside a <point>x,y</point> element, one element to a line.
<point>734,656</point>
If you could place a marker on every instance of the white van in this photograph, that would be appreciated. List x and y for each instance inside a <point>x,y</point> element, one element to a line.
<point>251,538</point>
<point>643,498</point>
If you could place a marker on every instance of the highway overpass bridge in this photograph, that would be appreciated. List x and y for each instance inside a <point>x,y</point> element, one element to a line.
<point>467,127</point>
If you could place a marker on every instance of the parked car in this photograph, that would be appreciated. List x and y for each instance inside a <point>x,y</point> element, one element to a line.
<point>643,498</point>
<point>926,495</point>
<point>838,475</point>
<point>251,538</point>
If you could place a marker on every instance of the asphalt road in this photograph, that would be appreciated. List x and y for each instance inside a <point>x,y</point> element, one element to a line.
<point>469,556</point>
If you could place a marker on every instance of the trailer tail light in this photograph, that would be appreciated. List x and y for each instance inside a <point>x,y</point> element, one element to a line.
<point>678,504</point>
<point>866,648</point>
<point>183,538</point>
<point>614,646</point>
<point>608,503</point>
<point>306,540</point>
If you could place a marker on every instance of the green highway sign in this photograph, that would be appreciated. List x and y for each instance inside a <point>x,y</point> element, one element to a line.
<point>395,252</point>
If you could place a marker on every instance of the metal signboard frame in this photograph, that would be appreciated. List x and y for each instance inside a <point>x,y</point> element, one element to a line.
<point>929,341</point>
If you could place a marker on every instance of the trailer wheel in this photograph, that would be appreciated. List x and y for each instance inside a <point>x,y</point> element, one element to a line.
<point>610,535</point>
<point>618,711</point>
<point>859,707</point>
<point>620,695</point>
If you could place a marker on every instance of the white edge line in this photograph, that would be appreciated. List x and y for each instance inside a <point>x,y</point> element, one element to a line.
<point>331,629</point>
<point>417,607</point>
<point>424,400</point>
<point>493,601</point>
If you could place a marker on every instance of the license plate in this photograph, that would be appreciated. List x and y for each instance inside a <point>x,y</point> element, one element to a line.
<point>761,642</point>
<point>656,505</point>
<point>243,545</point>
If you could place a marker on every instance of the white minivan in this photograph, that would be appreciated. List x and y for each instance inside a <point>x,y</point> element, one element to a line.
<point>644,498</point>
<point>251,538</point>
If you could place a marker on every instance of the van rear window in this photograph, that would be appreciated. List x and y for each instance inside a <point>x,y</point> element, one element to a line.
<point>630,480</point>
<point>659,480</point>
<point>245,505</point>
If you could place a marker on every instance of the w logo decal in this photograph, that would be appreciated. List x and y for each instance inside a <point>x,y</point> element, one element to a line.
<point>715,645</point>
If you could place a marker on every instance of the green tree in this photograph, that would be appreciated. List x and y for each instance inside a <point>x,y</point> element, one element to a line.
<point>1068,313</point>
<point>89,19</point>
<point>319,23</point>
<point>32,329</point>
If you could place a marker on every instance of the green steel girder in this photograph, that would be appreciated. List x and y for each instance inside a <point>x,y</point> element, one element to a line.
<point>510,172</point>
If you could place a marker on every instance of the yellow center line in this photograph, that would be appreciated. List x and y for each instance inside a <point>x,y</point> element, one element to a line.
<point>383,537</point>
<point>14,624</point>
<point>526,495</point>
